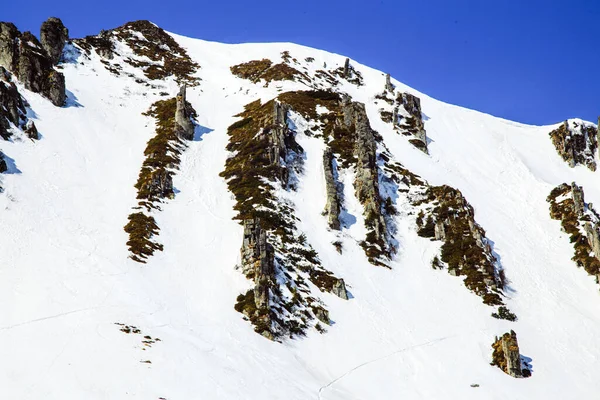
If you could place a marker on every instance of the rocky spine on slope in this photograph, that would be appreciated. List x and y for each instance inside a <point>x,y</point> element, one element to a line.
<point>577,143</point>
<point>13,110</point>
<point>366,184</point>
<point>345,128</point>
<point>275,255</point>
<point>155,53</point>
<point>24,55</point>
<point>444,214</point>
<point>507,357</point>
<point>581,222</point>
<point>155,181</point>
<point>403,111</point>
<point>332,186</point>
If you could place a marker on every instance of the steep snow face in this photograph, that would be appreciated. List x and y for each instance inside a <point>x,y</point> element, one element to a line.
<point>407,332</point>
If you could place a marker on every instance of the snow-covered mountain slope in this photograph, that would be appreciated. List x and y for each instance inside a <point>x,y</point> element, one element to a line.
<point>408,331</point>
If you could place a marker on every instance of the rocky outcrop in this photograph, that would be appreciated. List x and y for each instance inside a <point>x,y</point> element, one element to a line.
<point>333,205</point>
<point>258,263</point>
<point>577,143</point>
<point>24,55</point>
<point>3,165</point>
<point>148,48</point>
<point>53,35</point>
<point>413,122</point>
<point>339,289</point>
<point>581,222</point>
<point>12,109</point>
<point>404,113</point>
<point>388,83</point>
<point>507,357</point>
<point>346,72</point>
<point>274,254</point>
<point>448,217</point>
<point>9,45</point>
<point>184,127</point>
<point>155,181</point>
<point>366,183</point>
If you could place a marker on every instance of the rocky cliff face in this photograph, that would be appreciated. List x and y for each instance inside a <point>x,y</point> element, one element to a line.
<point>53,35</point>
<point>333,204</point>
<point>403,111</point>
<point>581,221</point>
<point>184,127</point>
<point>366,183</point>
<point>275,256</point>
<point>577,143</point>
<point>12,109</point>
<point>29,60</point>
<point>507,357</point>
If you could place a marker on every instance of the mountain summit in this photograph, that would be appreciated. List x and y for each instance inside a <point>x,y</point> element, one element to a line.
<point>185,219</point>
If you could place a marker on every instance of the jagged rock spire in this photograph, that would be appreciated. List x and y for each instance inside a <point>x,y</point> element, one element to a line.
<point>333,206</point>
<point>53,35</point>
<point>184,127</point>
<point>346,68</point>
<point>507,357</point>
<point>388,83</point>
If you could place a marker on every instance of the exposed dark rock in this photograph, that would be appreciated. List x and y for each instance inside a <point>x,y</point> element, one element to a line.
<point>265,70</point>
<point>366,183</point>
<point>258,261</point>
<point>448,217</point>
<point>581,222</point>
<point>28,60</point>
<point>578,199</point>
<point>266,157</point>
<point>9,45</point>
<point>339,289</point>
<point>321,314</point>
<point>346,72</point>
<point>388,83</point>
<point>53,35</point>
<point>155,52</point>
<point>413,123</point>
<point>155,181</point>
<point>333,205</point>
<point>507,357</point>
<point>404,113</point>
<point>184,127</point>
<point>12,108</point>
<point>577,143</point>
<point>3,166</point>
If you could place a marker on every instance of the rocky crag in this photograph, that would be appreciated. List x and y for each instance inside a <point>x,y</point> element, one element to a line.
<point>577,143</point>
<point>13,111</point>
<point>403,111</point>
<point>581,221</point>
<point>275,256</point>
<point>174,126</point>
<point>507,357</point>
<point>33,63</point>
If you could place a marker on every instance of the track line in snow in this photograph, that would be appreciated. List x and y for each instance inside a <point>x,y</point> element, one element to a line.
<point>429,343</point>
<point>8,327</point>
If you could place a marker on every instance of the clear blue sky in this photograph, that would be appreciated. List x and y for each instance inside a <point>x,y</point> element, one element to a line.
<point>531,61</point>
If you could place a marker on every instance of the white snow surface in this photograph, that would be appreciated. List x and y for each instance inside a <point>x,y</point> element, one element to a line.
<point>411,332</point>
